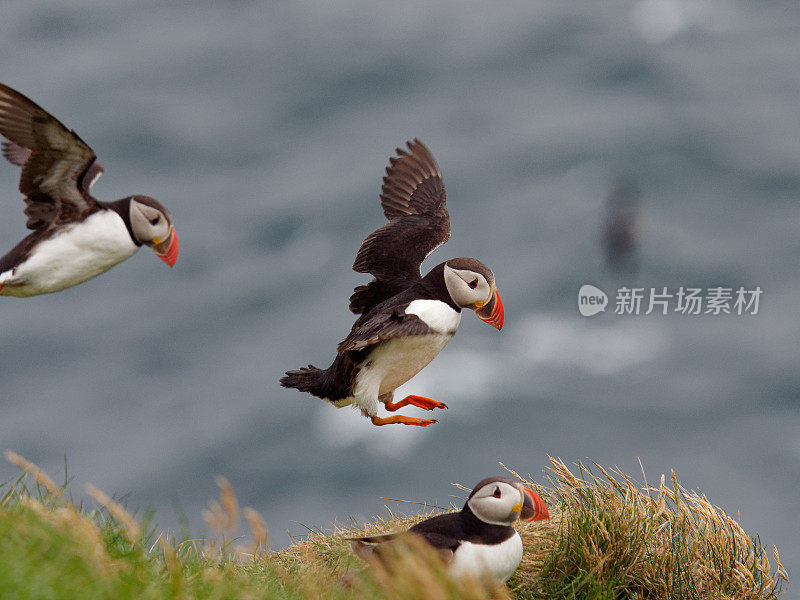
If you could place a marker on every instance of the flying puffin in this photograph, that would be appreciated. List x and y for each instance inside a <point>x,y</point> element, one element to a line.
<point>406,319</point>
<point>479,540</point>
<point>75,237</point>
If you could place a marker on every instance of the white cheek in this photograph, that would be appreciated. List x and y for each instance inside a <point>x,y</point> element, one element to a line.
<point>474,296</point>
<point>490,511</point>
<point>458,289</point>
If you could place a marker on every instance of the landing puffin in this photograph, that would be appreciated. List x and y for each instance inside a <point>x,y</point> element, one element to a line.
<point>479,540</point>
<point>406,319</point>
<point>75,237</point>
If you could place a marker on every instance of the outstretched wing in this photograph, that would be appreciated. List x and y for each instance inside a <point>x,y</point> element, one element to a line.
<point>413,200</point>
<point>58,168</point>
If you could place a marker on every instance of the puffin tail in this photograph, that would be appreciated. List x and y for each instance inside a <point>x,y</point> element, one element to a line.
<point>307,379</point>
<point>363,550</point>
<point>368,548</point>
<point>327,384</point>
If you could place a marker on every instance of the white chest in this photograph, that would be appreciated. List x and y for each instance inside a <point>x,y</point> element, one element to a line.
<point>498,560</point>
<point>437,315</point>
<point>398,360</point>
<point>72,256</point>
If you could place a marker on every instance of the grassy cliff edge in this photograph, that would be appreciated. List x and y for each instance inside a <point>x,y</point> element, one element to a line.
<point>609,536</point>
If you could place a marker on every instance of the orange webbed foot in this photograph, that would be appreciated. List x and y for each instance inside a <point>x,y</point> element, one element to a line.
<point>418,401</point>
<point>402,419</point>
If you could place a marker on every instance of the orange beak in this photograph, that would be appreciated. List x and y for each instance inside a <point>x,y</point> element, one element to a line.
<point>168,249</point>
<point>492,311</point>
<point>533,508</point>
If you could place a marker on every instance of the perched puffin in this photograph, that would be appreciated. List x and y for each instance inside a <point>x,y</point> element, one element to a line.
<point>479,540</point>
<point>406,319</point>
<point>75,237</point>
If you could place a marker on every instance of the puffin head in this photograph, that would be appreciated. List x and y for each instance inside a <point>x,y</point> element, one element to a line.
<point>470,284</point>
<point>501,501</point>
<point>151,224</point>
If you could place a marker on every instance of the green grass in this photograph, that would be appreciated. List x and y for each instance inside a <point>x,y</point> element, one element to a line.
<point>607,538</point>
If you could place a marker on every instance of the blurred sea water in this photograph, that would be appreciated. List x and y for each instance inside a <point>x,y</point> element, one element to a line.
<point>265,129</point>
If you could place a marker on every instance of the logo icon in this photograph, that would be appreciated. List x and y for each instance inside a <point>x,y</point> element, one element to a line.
<point>591,300</point>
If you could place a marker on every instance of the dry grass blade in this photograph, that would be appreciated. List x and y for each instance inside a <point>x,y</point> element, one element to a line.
<point>29,467</point>
<point>259,535</point>
<point>222,517</point>
<point>229,503</point>
<point>782,573</point>
<point>417,502</point>
<point>133,531</point>
<point>116,510</point>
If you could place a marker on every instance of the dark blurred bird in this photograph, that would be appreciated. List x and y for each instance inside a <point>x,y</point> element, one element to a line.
<point>406,319</point>
<point>75,237</point>
<point>479,540</point>
<point>622,219</point>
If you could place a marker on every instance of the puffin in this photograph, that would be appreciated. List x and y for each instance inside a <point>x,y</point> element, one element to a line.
<point>480,539</point>
<point>405,319</point>
<point>74,236</point>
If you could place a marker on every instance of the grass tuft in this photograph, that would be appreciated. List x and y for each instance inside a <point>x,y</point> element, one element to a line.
<point>613,537</point>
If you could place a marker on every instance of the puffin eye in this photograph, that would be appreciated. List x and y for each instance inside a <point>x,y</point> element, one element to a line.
<point>473,284</point>
<point>155,220</point>
<point>496,490</point>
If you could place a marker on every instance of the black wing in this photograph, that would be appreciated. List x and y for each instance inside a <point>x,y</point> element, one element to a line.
<point>369,548</point>
<point>443,532</point>
<point>380,326</point>
<point>414,201</point>
<point>445,546</point>
<point>376,291</point>
<point>57,166</point>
